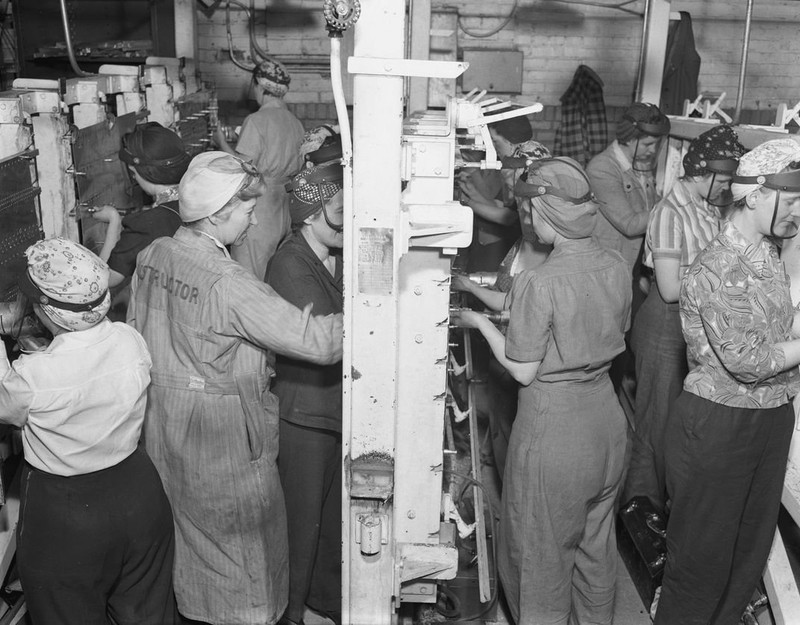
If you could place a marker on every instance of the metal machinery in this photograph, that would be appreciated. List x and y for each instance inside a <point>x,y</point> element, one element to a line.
<point>70,132</point>
<point>402,228</point>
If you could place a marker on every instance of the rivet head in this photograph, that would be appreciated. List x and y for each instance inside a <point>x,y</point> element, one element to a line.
<point>418,338</point>
<point>411,514</point>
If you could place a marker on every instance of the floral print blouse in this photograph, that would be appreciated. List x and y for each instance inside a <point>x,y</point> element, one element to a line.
<point>735,306</point>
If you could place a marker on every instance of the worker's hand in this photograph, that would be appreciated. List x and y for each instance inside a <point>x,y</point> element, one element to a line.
<point>465,318</point>
<point>460,282</point>
<point>469,191</point>
<point>107,214</point>
<point>218,137</point>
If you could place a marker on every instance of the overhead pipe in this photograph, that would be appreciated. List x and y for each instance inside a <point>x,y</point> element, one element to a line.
<point>645,31</point>
<point>742,70</point>
<point>68,39</point>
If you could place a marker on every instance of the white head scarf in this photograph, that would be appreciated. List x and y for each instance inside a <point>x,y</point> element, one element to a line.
<point>66,272</point>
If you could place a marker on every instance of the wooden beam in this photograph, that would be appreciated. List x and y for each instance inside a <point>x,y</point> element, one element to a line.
<point>784,598</point>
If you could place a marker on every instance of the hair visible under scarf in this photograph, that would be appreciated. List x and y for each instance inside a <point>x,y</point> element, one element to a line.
<point>515,129</point>
<point>639,120</point>
<point>68,282</point>
<point>572,218</point>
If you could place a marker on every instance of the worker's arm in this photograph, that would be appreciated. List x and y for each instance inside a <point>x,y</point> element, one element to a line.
<point>110,215</point>
<point>222,143</point>
<point>491,210</point>
<point>258,314</point>
<point>495,300</point>
<point>15,393</point>
<point>618,201</point>
<point>668,278</point>
<point>522,372</point>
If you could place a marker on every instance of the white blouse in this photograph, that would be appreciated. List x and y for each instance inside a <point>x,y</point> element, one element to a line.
<point>80,402</point>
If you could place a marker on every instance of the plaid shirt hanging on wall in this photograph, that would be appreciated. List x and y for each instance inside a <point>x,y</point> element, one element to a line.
<point>583,131</point>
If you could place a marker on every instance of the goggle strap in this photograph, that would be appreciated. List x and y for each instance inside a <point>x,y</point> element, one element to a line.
<point>30,289</point>
<point>786,181</point>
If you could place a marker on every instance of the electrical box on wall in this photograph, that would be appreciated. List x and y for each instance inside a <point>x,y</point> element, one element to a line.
<point>496,71</point>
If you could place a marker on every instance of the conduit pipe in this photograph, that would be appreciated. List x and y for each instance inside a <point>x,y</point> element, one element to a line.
<point>68,39</point>
<point>743,69</point>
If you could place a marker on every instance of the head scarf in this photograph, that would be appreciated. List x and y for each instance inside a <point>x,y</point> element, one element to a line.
<point>515,129</point>
<point>768,158</point>
<point>572,221</point>
<point>316,137</point>
<point>311,188</point>
<point>156,153</point>
<point>61,271</point>
<point>717,144</point>
<point>637,115</point>
<point>210,182</point>
<point>272,77</point>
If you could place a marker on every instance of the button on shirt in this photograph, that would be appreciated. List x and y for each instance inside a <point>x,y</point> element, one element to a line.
<point>81,401</point>
<point>735,306</point>
<point>570,313</point>
<point>680,227</point>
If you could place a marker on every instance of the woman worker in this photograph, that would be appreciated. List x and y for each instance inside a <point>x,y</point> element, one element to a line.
<point>557,551</point>
<point>307,270</point>
<point>96,538</point>
<point>271,139</point>
<point>681,225</point>
<point>728,433</point>
<point>212,424</point>
<point>157,160</point>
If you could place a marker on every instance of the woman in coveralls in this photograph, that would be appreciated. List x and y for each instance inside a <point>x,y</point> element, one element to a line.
<point>95,541</point>
<point>681,225</point>
<point>728,434</point>
<point>212,424</point>
<point>271,139</point>
<point>556,550</point>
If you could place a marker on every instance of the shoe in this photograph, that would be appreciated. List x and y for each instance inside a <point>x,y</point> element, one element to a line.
<point>285,620</point>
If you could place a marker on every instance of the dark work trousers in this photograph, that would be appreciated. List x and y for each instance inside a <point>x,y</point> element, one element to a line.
<point>310,466</point>
<point>725,470</point>
<point>660,353</point>
<point>97,548</point>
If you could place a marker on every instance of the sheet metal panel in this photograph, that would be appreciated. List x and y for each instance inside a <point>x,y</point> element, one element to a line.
<point>19,221</point>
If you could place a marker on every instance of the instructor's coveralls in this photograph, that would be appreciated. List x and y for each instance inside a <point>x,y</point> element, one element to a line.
<point>211,425</point>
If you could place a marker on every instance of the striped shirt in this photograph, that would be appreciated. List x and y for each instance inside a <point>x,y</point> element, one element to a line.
<point>681,226</point>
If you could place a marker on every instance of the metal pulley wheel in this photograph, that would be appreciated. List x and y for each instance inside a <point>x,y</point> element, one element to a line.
<point>341,14</point>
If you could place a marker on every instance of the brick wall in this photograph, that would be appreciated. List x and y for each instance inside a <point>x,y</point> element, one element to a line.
<point>555,38</point>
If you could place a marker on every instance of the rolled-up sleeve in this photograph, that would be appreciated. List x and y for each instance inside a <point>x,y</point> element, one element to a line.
<point>530,319</point>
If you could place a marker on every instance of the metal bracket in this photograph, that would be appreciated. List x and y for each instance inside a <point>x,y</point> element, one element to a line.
<point>406,67</point>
